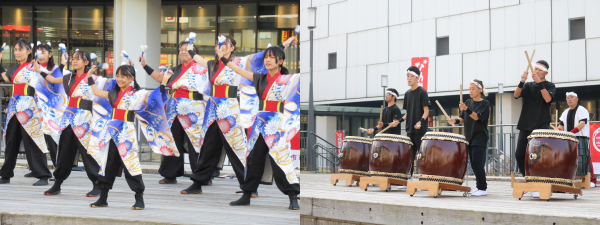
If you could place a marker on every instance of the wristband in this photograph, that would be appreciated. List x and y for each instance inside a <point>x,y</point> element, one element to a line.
<point>456,121</point>
<point>91,81</point>
<point>43,74</point>
<point>224,60</point>
<point>422,120</point>
<point>281,46</point>
<point>401,120</point>
<point>469,112</point>
<point>2,70</point>
<point>192,53</point>
<point>162,88</point>
<point>575,130</point>
<point>148,69</point>
<point>521,84</point>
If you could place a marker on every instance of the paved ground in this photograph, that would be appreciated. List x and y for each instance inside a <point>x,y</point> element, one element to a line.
<point>164,204</point>
<point>320,199</point>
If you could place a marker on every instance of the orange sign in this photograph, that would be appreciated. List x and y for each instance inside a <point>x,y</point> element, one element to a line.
<point>285,35</point>
<point>164,59</point>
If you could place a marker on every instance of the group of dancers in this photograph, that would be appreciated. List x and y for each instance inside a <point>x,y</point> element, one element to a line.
<point>245,108</point>
<point>475,112</point>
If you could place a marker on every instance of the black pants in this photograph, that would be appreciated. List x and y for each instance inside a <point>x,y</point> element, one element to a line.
<point>415,138</point>
<point>521,149</point>
<point>67,150</point>
<point>37,160</point>
<point>256,167</point>
<point>113,164</point>
<point>172,166</point>
<point>478,156</point>
<point>51,148</point>
<point>214,143</point>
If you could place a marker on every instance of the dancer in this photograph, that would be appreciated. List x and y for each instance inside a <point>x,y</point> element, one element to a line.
<point>575,120</point>
<point>51,98</point>
<point>535,114</point>
<point>185,111</point>
<point>475,114</point>
<point>74,127</point>
<point>416,104</point>
<point>23,122</point>
<point>273,99</point>
<point>115,143</point>
<point>391,115</point>
<point>222,130</point>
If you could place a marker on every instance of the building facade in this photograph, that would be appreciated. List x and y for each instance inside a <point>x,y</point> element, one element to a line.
<point>356,42</point>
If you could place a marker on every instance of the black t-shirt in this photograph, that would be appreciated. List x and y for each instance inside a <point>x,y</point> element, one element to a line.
<point>536,111</point>
<point>571,118</point>
<point>390,114</point>
<point>414,101</point>
<point>476,131</point>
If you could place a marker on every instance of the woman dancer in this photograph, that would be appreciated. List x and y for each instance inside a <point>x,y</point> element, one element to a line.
<point>23,121</point>
<point>274,100</point>
<point>115,142</point>
<point>75,124</point>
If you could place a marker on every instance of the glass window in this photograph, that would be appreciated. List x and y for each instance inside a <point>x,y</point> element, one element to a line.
<point>15,24</point>
<point>276,24</point>
<point>202,21</point>
<point>239,22</point>
<point>87,31</point>
<point>52,27</point>
<point>109,28</point>
<point>168,36</point>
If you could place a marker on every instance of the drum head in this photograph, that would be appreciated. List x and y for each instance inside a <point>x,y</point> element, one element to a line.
<point>444,136</point>
<point>392,137</point>
<point>558,134</point>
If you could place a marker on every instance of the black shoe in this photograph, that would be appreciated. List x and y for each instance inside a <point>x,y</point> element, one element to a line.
<point>255,194</point>
<point>102,200</point>
<point>139,202</point>
<point>294,202</point>
<point>55,189</point>
<point>209,183</point>
<point>195,188</point>
<point>4,180</point>
<point>41,182</point>
<point>244,200</point>
<point>168,181</point>
<point>30,174</point>
<point>95,192</point>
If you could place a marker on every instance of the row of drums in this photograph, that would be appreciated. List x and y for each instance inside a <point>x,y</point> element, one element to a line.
<point>551,157</point>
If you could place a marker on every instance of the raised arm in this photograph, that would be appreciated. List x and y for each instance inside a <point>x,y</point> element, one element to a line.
<point>198,58</point>
<point>153,73</point>
<point>92,84</point>
<point>520,87</point>
<point>44,74</point>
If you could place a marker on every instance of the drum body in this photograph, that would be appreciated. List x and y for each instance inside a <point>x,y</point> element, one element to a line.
<point>354,155</point>
<point>551,154</point>
<point>443,157</point>
<point>390,156</point>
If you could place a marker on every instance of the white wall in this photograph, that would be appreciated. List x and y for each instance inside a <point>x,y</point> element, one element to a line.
<point>487,42</point>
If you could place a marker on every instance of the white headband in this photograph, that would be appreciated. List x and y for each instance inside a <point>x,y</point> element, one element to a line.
<point>539,66</point>
<point>413,73</point>
<point>392,93</point>
<point>572,93</point>
<point>476,83</point>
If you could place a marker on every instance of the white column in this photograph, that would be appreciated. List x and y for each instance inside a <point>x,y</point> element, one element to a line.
<point>137,22</point>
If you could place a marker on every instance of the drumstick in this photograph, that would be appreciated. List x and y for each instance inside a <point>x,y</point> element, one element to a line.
<point>556,118</point>
<point>381,113</point>
<point>461,100</point>
<point>529,61</point>
<point>444,111</point>
<point>363,129</point>
<point>388,127</point>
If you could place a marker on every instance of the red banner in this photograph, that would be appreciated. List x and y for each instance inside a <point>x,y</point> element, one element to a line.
<point>595,145</point>
<point>295,145</point>
<point>339,139</point>
<point>423,64</point>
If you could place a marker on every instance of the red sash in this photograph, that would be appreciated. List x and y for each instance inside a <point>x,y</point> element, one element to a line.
<point>121,96</point>
<point>270,81</point>
<point>272,106</point>
<point>121,114</point>
<point>77,80</point>
<point>183,70</point>
<point>221,67</point>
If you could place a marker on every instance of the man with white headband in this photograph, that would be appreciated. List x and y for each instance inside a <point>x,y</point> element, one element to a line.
<point>416,104</point>
<point>535,114</point>
<point>575,119</point>
<point>391,115</point>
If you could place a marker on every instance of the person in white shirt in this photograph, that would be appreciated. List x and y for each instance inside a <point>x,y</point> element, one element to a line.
<point>576,120</point>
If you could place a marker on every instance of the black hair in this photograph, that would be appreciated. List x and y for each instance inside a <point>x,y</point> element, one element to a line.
<point>128,71</point>
<point>394,91</point>
<point>543,62</point>
<point>483,92</point>
<point>86,57</point>
<point>233,43</point>
<point>187,42</point>
<point>24,44</point>
<point>279,54</point>
<point>50,59</point>
<point>415,69</point>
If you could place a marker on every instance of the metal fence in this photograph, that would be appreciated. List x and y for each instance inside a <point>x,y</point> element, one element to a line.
<point>500,150</point>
